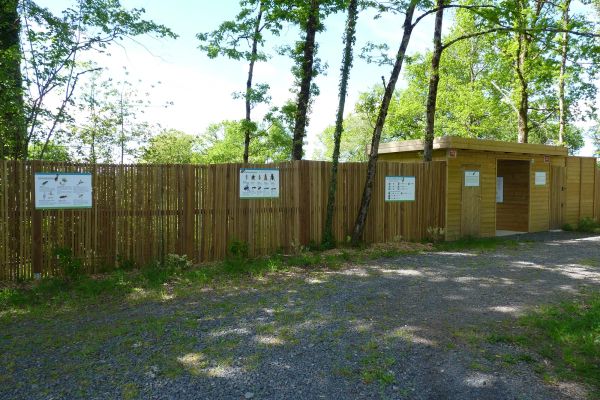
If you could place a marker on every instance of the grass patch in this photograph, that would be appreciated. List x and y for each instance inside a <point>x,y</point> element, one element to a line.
<point>567,335</point>
<point>375,364</point>
<point>177,274</point>
<point>473,243</point>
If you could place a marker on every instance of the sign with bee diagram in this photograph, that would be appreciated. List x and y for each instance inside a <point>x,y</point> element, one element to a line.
<point>400,188</point>
<point>60,190</point>
<point>259,183</point>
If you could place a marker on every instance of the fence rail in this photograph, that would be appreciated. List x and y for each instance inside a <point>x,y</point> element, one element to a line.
<point>142,212</point>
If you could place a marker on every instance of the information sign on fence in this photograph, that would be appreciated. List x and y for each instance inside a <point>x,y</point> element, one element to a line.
<point>259,183</point>
<point>400,188</point>
<point>57,190</point>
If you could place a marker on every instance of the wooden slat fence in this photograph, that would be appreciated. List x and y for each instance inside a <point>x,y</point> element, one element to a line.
<point>141,213</point>
<point>597,196</point>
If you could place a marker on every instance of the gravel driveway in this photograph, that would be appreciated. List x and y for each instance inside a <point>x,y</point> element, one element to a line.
<point>394,328</point>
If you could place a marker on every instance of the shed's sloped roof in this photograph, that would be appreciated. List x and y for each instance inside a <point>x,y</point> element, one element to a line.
<point>454,142</point>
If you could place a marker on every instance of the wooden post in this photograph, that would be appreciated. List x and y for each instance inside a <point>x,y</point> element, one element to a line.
<point>189,212</point>
<point>36,228</point>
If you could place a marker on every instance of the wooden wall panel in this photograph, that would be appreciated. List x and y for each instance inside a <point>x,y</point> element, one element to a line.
<point>573,190</point>
<point>588,177</point>
<point>513,213</point>
<point>539,198</point>
<point>597,195</point>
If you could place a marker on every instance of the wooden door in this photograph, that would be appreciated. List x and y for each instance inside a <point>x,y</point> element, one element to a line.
<point>557,197</point>
<point>471,201</point>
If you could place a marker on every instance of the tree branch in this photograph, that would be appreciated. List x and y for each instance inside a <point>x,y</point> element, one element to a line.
<point>434,10</point>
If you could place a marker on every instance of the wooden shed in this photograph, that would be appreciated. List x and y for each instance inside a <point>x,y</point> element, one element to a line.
<point>496,188</point>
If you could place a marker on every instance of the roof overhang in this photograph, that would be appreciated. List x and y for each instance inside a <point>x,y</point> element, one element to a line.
<point>454,142</point>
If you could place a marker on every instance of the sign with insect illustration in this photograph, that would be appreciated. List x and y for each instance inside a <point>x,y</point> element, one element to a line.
<point>400,188</point>
<point>58,190</point>
<point>259,183</point>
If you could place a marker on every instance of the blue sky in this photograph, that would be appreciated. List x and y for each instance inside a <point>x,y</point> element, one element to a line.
<point>201,88</point>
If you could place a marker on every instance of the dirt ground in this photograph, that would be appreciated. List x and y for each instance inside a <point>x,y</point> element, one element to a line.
<point>405,328</point>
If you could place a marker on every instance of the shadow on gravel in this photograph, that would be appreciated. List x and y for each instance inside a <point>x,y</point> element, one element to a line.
<point>388,329</point>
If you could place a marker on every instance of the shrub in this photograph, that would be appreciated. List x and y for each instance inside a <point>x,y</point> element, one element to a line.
<point>237,249</point>
<point>125,264</point>
<point>588,225</point>
<point>237,256</point>
<point>71,268</point>
<point>567,227</point>
<point>176,262</point>
<point>435,234</point>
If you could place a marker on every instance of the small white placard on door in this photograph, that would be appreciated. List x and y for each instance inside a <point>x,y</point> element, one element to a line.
<point>472,178</point>
<point>400,188</point>
<point>540,178</point>
<point>499,189</point>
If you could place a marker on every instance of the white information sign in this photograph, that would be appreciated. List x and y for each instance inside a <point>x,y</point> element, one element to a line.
<point>400,188</point>
<point>540,178</point>
<point>499,189</point>
<point>472,178</point>
<point>63,190</point>
<point>259,183</point>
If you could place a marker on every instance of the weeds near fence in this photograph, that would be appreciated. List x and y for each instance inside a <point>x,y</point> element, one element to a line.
<point>585,225</point>
<point>155,280</point>
<point>473,243</point>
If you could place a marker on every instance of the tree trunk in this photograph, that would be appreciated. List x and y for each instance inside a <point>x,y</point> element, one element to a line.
<point>523,106</point>
<point>434,81</point>
<point>248,126</point>
<point>361,218</point>
<point>562,106</point>
<point>349,39</point>
<point>13,132</point>
<point>312,26</point>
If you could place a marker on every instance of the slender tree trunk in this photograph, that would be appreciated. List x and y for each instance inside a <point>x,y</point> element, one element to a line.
<point>312,26</point>
<point>562,106</point>
<point>248,126</point>
<point>361,218</point>
<point>523,45</point>
<point>434,81</point>
<point>13,132</point>
<point>347,58</point>
<point>122,118</point>
<point>523,100</point>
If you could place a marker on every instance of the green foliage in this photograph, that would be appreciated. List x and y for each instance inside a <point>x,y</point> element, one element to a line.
<point>12,116</point>
<point>238,249</point>
<point>71,268</point>
<point>53,48</point>
<point>224,142</point>
<point>125,264</point>
<point>54,152</point>
<point>109,128</point>
<point>158,273</point>
<point>171,147</point>
<point>568,227</point>
<point>353,145</point>
<point>588,225</point>
<point>237,257</point>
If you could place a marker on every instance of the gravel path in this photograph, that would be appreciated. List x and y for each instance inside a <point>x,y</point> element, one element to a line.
<point>395,328</point>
